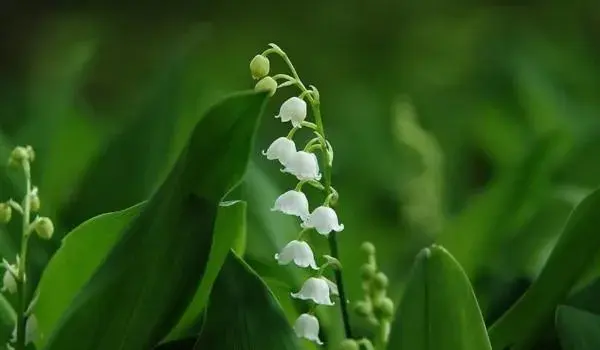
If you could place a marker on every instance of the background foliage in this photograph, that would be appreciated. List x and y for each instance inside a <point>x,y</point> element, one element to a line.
<point>476,126</point>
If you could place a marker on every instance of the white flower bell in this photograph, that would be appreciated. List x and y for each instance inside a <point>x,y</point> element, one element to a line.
<point>315,289</point>
<point>292,203</point>
<point>281,149</point>
<point>299,252</point>
<point>333,288</point>
<point>9,284</point>
<point>31,330</point>
<point>303,165</point>
<point>294,110</point>
<point>324,220</point>
<point>307,327</point>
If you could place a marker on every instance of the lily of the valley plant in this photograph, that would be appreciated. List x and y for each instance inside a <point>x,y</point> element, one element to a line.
<point>303,164</point>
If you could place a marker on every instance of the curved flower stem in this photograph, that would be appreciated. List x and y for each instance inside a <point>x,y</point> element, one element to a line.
<point>22,277</point>
<point>312,95</point>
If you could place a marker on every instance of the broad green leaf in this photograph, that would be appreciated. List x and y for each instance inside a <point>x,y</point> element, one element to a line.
<point>8,319</point>
<point>439,310</point>
<point>231,222</point>
<point>576,248</point>
<point>149,277</point>
<point>577,329</point>
<point>80,254</point>
<point>243,313</point>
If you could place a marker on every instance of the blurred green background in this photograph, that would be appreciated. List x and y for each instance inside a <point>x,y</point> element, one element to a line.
<point>474,125</point>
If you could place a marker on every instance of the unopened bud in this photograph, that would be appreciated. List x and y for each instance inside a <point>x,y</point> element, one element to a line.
<point>18,155</point>
<point>34,201</point>
<point>44,228</point>
<point>30,153</point>
<point>367,272</point>
<point>384,309</point>
<point>348,344</point>
<point>368,248</point>
<point>381,281</point>
<point>266,84</point>
<point>259,66</point>
<point>362,309</point>
<point>5,213</point>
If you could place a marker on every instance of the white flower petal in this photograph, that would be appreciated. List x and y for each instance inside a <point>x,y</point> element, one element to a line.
<point>31,329</point>
<point>323,220</point>
<point>299,252</point>
<point>294,110</point>
<point>307,327</point>
<point>333,288</point>
<point>9,284</point>
<point>292,203</point>
<point>315,289</point>
<point>281,149</point>
<point>303,165</point>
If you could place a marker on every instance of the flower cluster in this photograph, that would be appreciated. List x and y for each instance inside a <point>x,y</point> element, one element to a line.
<point>304,166</point>
<point>14,278</point>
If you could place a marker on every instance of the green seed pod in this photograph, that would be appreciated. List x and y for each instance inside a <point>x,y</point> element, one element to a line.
<point>381,281</point>
<point>44,228</point>
<point>362,309</point>
<point>266,84</point>
<point>5,213</point>
<point>384,308</point>
<point>368,248</point>
<point>348,344</point>
<point>259,67</point>
<point>367,272</point>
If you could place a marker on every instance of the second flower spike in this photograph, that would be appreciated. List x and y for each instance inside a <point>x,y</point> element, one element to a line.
<point>294,110</point>
<point>299,252</point>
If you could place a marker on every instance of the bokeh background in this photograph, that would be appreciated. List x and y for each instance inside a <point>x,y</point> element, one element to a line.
<point>473,125</point>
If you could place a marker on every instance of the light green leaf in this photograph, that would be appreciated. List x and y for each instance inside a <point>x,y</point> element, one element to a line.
<point>577,329</point>
<point>439,310</point>
<point>576,248</point>
<point>141,290</point>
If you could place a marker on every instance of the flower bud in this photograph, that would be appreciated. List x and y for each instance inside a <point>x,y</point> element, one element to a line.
<point>44,228</point>
<point>384,309</point>
<point>5,213</point>
<point>9,283</point>
<point>381,281</point>
<point>368,248</point>
<point>362,309</point>
<point>30,153</point>
<point>266,84</point>
<point>348,344</point>
<point>18,155</point>
<point>367,272</point>
<point>34,200</point>
<point>259,66</point>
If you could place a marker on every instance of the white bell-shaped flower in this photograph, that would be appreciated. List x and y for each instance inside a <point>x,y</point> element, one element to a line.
<point>294,110</point>
<point>299,252</point>
<point>315,289</point>
<point>303,165</point>
<point>333,288</point>
<point>281,149</point>
<point>324,220</point>
<point>292,203</point>
<point>9,284</point>
<point>307,327</point>
<point>31,330</point>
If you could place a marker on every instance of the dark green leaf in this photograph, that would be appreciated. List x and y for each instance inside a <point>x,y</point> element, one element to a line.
<point>243,313</point>
<point>145,283</point>
<point>576,248</point>
<point>577,329</point>
<point>439,310</point>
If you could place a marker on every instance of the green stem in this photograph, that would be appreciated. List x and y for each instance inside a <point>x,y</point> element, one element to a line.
<point>21,280</point>
<point>314,100</point>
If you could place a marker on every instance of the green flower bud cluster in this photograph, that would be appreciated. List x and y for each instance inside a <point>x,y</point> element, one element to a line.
<point>376,307</point>
<point>15,278</point>
<point>259,69</point>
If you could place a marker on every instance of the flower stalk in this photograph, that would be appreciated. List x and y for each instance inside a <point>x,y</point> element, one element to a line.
<point>305,166</point>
